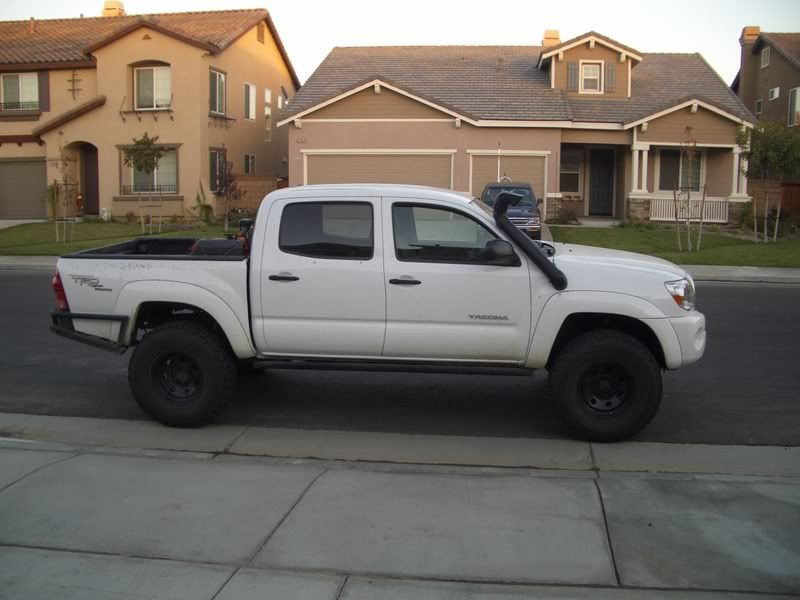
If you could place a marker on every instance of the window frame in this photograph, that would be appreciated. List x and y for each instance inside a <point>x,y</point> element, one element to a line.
<point>38,102</point>
<point>792,120</point>
<point>155,107</point>
<point>758,109</point>
<point>250,100</point>
<point>249,164</point>
<point>212,182</point>
<point>420,204</point>
<point>166,148</point>
<point>600,76</point>
<point>220,75</point>
<point>580,156</point>
<point>267,115</point>
<point>766,56</point>
<point>333,202</point>
<point>777,91</point>
<point>702,173</point>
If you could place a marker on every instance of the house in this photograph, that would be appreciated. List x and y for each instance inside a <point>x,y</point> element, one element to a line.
<point>75,92</point>
<point>594,125</point>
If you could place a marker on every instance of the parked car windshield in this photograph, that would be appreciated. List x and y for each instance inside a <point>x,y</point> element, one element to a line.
<point>491,194</point>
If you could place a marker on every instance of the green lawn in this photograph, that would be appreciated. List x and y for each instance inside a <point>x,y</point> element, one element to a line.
<point>39,238</point>
<point>717,249</point>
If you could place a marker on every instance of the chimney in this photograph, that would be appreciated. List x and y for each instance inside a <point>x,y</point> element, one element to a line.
<point>749,34</point>
<point>32,27</point>
<point>113,8</point>
<point>551,38</point>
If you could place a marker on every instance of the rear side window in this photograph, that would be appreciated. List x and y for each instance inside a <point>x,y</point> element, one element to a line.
<point>334,230</point>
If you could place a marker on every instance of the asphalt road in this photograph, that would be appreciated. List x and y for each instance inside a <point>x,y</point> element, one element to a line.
<point>746,390</point>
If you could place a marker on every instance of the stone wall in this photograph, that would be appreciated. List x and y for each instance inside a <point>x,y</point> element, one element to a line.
<point>638,210</point>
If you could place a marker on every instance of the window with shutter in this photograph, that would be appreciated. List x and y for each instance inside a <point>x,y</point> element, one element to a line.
<point>794,106</point>
<point>611,76</point>
<point>572,77</point>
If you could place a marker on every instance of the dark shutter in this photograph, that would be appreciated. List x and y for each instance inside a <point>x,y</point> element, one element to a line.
<point>246,101</point>
<point>611,76</point>
<point>572,77</point>
<point>212,91</point>
<point>44,91</point>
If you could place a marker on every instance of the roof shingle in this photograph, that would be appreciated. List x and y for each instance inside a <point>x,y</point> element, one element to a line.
<point>504,83</point>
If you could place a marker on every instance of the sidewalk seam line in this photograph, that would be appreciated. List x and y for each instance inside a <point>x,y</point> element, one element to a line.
<point>340,590</point>
<point>608,532</point>
<point>268,537</point>
<point>227,448</point>
<point>37,469</point>
<point>226,582</point>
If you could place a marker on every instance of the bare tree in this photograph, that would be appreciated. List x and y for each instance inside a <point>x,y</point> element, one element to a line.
<point>144,156</point>
<point>227,190</point>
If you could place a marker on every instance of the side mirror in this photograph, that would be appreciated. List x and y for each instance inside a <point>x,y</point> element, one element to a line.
<point>500,252</point>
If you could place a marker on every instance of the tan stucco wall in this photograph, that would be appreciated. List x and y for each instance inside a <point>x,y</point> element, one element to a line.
<point>190,128</point>
<point>410,135</point>
<point>590,136</point>
<point>719,169</point>
<point>707,128</point>
<point>598,53</point>
<point>369,105</point>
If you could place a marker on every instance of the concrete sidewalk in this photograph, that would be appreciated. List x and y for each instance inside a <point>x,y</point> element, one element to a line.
<point>81,521</point>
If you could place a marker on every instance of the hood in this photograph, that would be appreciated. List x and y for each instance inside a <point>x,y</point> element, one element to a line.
<point>526,210</point>
<point>601,258</point>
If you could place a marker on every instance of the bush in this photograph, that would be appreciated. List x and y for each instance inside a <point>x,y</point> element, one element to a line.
<point>566,215</point>
<point>130,216</point>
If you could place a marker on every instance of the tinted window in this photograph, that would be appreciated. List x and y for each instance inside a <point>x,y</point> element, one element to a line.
<point>341,230</point>
<point>427,234</point>
<point>491,195</point>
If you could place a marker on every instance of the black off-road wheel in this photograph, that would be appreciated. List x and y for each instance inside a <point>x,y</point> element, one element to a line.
<point>182,374</point>
<point>607,386</point>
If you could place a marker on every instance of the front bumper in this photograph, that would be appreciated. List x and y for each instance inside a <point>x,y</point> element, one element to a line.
<point>691,333</point>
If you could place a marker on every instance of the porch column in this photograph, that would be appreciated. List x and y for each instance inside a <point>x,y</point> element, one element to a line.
<point>643,182</point>
<point>635,173</point>
<point>743,177</point>
<point>736,174</point>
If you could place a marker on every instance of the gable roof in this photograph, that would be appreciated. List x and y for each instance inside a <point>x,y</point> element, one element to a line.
<point>785,44</point>
<point>590,35</point>
<point>66,41</point>
<point>504,83</point>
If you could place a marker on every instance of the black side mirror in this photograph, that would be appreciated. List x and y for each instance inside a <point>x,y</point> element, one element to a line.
<point>500,252</point>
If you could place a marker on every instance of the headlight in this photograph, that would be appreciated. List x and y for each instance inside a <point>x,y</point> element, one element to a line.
<point>533,221</point>
<point>682,291</point>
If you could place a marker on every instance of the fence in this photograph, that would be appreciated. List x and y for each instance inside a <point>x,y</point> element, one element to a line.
<point>254,188</point>
<point>714,211</point>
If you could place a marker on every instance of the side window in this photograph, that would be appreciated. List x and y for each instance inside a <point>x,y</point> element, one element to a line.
<point>333,230</point>
<point>428,234</point>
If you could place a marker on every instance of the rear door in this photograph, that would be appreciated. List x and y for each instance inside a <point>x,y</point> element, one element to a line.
<point>322,291</point>
<point>443,301</point>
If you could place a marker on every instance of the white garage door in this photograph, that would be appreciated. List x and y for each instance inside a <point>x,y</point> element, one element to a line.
<point>417,169</point>
<point>522,169</point>
<point>23,184</point>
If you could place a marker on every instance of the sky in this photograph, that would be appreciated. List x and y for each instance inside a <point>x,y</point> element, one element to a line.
<point>311,28</point>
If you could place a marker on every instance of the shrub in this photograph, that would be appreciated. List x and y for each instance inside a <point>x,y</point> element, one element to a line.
<point>130,216</point>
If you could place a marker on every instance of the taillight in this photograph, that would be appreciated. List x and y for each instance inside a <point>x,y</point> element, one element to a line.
<point>61,295</point>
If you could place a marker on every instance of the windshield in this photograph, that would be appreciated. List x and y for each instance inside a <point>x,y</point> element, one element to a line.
<point>491,194</point>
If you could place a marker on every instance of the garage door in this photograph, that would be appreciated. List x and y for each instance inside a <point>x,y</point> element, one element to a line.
<point>418,169</point>
<point>23,184</point>
<point>523,169</point>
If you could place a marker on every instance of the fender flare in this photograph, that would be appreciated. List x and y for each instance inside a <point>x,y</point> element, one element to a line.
<point>136,293</point>
<point>562,305</point>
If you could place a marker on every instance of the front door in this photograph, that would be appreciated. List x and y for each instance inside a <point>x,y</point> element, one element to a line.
<point>601,182</point>
<point>89,176</point>
<point>321,279</point>
<point>443,301</point>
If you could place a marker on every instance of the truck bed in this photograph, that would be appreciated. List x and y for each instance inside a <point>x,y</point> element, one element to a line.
<point>168,248</point>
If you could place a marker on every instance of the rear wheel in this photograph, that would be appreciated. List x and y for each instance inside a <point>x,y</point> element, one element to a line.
<point>607,386</point>
<point>182,374</point>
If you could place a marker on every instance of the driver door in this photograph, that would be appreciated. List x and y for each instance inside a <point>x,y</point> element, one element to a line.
<point>443,300</point>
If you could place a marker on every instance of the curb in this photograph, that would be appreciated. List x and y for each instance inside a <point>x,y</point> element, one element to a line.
<point>406,449</point>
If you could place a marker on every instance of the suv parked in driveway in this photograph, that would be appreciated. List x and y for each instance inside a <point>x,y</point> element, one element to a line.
<point>525,215</point>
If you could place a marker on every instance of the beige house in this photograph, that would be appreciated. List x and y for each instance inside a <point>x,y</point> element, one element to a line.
<point>594,125</point>
<point>75,92</point>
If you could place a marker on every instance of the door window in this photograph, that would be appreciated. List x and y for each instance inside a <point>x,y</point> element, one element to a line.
<point>332,230</point>
<point>428,234</point>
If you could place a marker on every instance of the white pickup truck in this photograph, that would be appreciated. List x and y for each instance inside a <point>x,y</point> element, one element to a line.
<point>389,275</point>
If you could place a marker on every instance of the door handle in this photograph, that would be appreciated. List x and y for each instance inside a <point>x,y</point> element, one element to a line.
<point>283,277</point>
<point>405,281</point>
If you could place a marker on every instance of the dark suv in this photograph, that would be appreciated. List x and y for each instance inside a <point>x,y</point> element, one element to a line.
<point>525,215</point>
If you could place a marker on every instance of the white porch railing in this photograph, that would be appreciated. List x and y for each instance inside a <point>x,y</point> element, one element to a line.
<point>715,210</point>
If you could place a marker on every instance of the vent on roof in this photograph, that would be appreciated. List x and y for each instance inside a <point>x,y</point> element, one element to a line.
<point>113,8</point>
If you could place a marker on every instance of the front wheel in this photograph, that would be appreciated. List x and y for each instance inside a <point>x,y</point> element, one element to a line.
<point>607,386</point>
<point>182,374</point>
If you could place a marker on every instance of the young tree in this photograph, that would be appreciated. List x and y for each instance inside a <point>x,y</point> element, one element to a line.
<point>143,156</point>
<point>772,151</point>
<point>227,190</point>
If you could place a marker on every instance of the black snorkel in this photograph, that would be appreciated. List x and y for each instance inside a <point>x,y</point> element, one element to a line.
<point>523,242</point>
